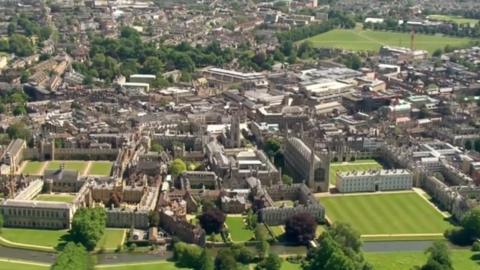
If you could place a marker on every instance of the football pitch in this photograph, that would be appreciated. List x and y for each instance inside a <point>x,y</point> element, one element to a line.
<point>369,40</point>
<point>358,165</point>
<point>403,213</point>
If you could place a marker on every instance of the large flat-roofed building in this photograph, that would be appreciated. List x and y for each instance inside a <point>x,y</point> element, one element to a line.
<point>222,77</point>
<point>368,181</point>
<point>326,89</point>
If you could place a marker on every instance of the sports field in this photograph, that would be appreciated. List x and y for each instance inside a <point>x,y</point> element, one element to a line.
<point>163,265</point>
<point>55,198</point>
<point>100,168</point>
<point>369,40</point>
<point>462,259</point>
<point>452,18</point>
<point>238,230</point>
<point>357,165</point>
<point>403,213</point>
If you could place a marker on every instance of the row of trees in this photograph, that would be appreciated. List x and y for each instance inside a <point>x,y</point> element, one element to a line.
<point>15,101</point>
<point>469,229</point>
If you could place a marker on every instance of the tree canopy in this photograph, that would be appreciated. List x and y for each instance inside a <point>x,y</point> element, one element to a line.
<point>300,228</point>
<point>88,226</point>
<point>212,220</point>
<point>188,255</point>
<point>177,167</point>
<point>73,257</point>
<point>438,257</point>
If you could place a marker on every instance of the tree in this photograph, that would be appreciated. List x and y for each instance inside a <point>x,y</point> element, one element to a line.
<point>471,223</point>
<point>347,237</point>
<point>73,257</point>
<point>152,65</point>
<point>439,257</point>
<point>19,110</point>
<point>272,262</point>
<point>225,260</point>
<point>206,261</point>
<point>187,255</point>
<point>154,218</point>
<point>242,254</point>
<point>177,167</point>
<point>88,226</point>
<point>156,147</point>
<point>328,256</point>
<point>251,219</point>
<point>272,146</point>
<point>287,180</point>
<point>262,244</point>
<point>212,220</point>
<point>300,228</point>
<point>19,131</point>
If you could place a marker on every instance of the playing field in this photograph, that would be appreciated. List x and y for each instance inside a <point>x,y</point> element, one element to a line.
<point>452,18</point>
<point>52,238</point>
<point>404,213</point>
<point>369,40</point>
<point>462,259</point>
<point>33,167</point>
<point>20,265</point>
<point>238,230</point>
<point>71,165</point>
<point>100,168</point>
<point>163,265</point>
<point>357,165</point>
<point>55,198</point>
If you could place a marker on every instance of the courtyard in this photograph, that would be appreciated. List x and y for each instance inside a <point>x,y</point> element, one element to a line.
<point>357,165</point>
<point>67,198</point>
<point>238,230</point>
<point>404,214</point>
<point>91,168</point>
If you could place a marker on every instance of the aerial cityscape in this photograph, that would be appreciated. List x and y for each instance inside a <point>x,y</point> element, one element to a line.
<point>239,134</point>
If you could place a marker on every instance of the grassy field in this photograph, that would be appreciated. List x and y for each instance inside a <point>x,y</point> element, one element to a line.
<point>79,166</point>
<point>358,165</point>
<point>290,266</point>
<point>462,259</point>
<point>55,198</point>
<point>369,40</point>
<point>17,265</point>
<point>452,18</point>
<point>52,238</point>
<point>32,167</point>
<point>101,168</point>
<point>163,265</point>
<point>397,213</point>
<point>238,230</point>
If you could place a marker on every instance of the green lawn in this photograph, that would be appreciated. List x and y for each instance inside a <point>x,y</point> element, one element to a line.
<point>52,238</point>
<point>101,168</point>
<point>160,265</point>
<point>452,18</point>
<point>277,230</point>
<point>462,260</point>
<point>358,165</point>
<point>369,40</point>
<point>69,165</point>
<point>290,266</point>
<point>397,213</point>
<point>238,230</point>
<point>17,265</point>
<point>33,167</point>
<point>55,198</point>
<point>111,239</point>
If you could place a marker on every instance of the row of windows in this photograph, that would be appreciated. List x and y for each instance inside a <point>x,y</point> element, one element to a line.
<point>35,224</point>
<point>34,213</point>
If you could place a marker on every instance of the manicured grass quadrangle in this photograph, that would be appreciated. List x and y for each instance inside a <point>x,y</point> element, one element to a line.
<point>160,265</point>
<point>101,168</point>
<point>238,230</point>
<point>5,265</point>
<point>69,165</point>
<point>55,198</point>
<point>32,167</point>
<point>392,213</point>
<point>369,40</point>
<point>358,165</point>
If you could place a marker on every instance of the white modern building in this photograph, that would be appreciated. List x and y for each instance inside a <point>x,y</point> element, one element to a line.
<point>371,181</point>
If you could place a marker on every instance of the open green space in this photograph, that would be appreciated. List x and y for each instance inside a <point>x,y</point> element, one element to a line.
<point>20,265</point>
<point>52,238</point>
<point>357,165</point>
<point>69,165</point>
<point>394,213</point>
<point>453,18</point>
<point>67,198</point>
<point>32,168</point>
<point>369,40</point>
<point>277,230</point>
<point>290,266</point>
<point>100,168</point>
<point>163,265</point>
<point>238,230</point>
<point>462,259</point>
